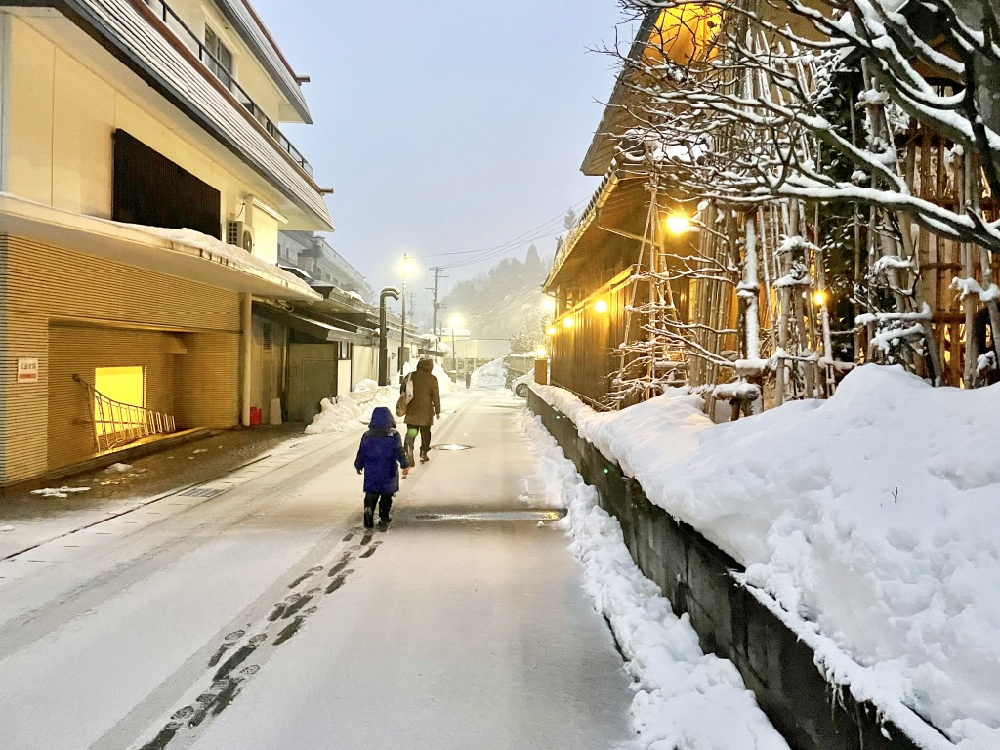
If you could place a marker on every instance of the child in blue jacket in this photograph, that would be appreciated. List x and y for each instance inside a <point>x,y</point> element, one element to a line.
<point>380,451</point>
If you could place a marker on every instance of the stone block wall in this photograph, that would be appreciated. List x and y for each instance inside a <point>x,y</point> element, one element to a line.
<point>697,578</point>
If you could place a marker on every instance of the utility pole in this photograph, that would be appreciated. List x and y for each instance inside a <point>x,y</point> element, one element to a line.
<point>437,277</point>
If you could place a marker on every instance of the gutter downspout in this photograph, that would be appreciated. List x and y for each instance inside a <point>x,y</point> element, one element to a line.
<point>246,317</point>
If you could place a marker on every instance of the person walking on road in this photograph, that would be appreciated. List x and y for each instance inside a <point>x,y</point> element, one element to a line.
<point>468,379</point>
<point>378,455</point>
<point>422,398</point>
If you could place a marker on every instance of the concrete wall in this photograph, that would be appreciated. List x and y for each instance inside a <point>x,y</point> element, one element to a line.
<point>696,577</point>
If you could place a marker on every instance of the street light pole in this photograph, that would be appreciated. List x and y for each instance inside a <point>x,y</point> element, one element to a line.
<point>402,327</point>
<point>383,342</point>
<point>454,353</point>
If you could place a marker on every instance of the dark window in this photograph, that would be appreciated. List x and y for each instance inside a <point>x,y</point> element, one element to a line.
<point>222,65</point>
<point>153,191</point>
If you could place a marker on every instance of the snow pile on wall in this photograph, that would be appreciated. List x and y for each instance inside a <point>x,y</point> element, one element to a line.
<point>685,698</point>
<point>445,384</point>
<point>491,375</point>
<point>870,518</point>
<point>345,413</point>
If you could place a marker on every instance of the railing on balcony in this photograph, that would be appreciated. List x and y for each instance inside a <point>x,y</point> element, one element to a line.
<point>117,424</point>
<point>197,47</point>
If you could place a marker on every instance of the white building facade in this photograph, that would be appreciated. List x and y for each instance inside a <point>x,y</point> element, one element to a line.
<point>143,183</point>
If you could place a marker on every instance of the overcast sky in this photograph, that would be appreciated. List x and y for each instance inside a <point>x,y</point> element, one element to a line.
<point>444,125</point>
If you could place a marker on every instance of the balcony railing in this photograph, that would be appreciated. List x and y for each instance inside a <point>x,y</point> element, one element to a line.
<point>195,45</point>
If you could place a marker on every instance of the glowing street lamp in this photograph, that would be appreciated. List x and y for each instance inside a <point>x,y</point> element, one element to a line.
<point>678,224</point>
<point>549,304</point>
<point>820,297</point>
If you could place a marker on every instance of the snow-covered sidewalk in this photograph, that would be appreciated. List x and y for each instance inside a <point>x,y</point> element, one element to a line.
<point>869,521</point>
<point>685,699</point>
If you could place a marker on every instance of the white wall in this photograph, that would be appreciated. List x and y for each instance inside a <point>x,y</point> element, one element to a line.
<point>62,116</point>
<point>247,70</point>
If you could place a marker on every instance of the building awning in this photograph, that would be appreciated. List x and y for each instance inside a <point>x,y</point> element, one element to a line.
<point>177,252</point>
<point>309,326</point>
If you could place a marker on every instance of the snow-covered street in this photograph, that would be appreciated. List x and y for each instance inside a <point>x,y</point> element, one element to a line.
<point>265,617</point>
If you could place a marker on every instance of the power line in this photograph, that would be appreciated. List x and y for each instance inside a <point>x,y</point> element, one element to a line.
<point>541,231</point>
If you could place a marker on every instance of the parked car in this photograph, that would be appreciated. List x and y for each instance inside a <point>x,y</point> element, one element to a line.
<point>520,385</point>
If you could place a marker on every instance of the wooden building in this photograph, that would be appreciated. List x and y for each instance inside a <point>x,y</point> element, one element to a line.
<point>668,281</point>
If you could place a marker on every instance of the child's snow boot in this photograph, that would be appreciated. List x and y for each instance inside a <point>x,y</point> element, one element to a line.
<point>369,513</point>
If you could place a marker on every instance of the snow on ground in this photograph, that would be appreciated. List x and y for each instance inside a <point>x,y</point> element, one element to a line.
<point>491,375</point>
<point>445,384</point>
<point>352,412</point>
<point>63,491</point>
<point>868,520</point>
<point>685,699</point>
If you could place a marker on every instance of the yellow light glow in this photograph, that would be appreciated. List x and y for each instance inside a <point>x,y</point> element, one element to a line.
<point>551,331</point>
<point>124,384</point>
<point>540,353</point>
<point>567,322</point>
<point>549,304</point>
<point>820,297</point>
<point>407,267</point>
<point>601,306</point>
<point>678,224</point>
<point>455,321</point>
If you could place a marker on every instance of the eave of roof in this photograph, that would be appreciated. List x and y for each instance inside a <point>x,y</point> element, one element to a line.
<point>179,253</point>
<point>124,28</point>
<point>598,158</point>
<point>247,23</point>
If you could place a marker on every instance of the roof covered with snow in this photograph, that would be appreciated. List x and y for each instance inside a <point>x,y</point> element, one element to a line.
<point>616,116</point>
<point>129,34</point>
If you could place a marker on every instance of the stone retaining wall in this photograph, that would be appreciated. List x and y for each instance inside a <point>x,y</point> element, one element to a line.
<point>696,577</point>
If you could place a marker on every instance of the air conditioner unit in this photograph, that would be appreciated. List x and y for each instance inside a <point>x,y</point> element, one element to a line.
<point>240,234</point>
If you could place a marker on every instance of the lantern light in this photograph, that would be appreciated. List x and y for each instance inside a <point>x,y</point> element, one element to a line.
<point>820,297</point>
<point>551,331</point>
<point>601,306</point>
<point>567,322</point>
<point>678,224</point>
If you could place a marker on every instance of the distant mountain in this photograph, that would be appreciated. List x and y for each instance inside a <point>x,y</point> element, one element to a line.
<point>505,302</point>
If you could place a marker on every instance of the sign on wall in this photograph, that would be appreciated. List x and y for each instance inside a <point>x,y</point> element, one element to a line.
<point>27,370</point>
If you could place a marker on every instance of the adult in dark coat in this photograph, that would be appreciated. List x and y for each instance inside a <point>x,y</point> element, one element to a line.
<point>379,453</point>
<point>422,408</point>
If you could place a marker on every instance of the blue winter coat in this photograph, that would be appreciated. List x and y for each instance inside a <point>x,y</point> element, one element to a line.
<point>380,451</point>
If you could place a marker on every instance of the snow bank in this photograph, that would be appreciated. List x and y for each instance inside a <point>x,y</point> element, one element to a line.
<point>445,384</point>
<point>869,519</point>
<point>346,412</point>
<point>491,375</point>
<point>685,699</point>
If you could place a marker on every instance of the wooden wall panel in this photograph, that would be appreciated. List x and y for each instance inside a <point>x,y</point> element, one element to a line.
<point>208,383</point>
<point>80,350</point>
<point>108,305</point>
